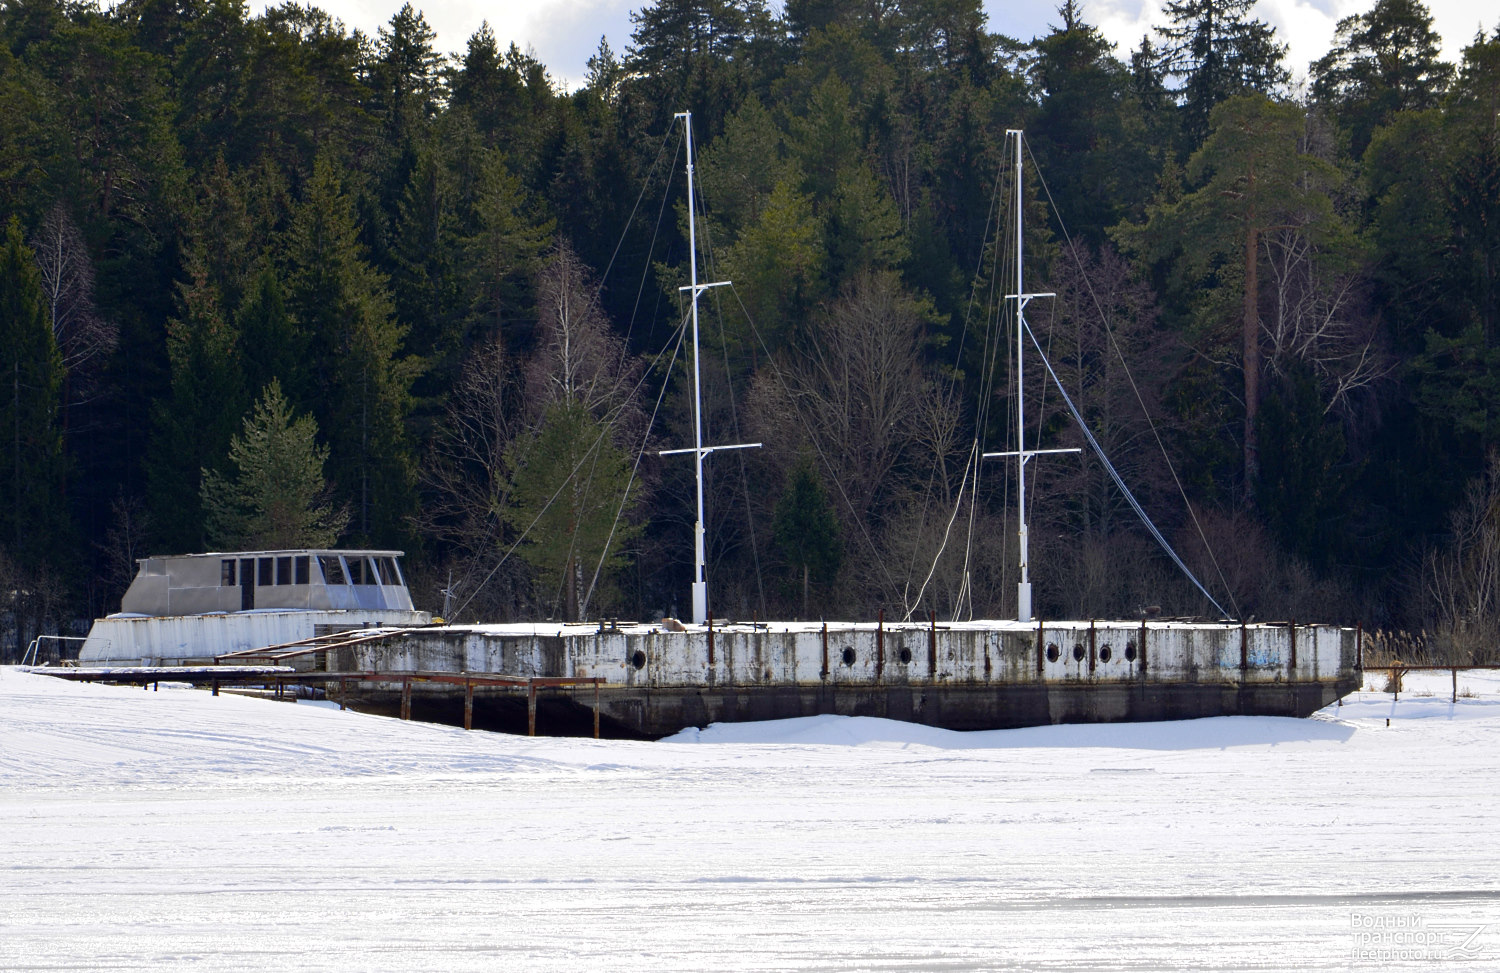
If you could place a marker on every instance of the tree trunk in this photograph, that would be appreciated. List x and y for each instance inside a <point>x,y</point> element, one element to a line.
<point>570,587</point>
<point>804,590</point>
<point>1251,326</point>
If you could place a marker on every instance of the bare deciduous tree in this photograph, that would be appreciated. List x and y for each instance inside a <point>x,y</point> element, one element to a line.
<point>467,485</point>
<point>881,426</point>
<point>125,541</point>
<point>578,358</point>
<point>83,336</point>
<point>1314,321</point>
<point>1459,583</point>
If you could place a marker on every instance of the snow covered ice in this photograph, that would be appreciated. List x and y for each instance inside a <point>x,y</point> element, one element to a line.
<point>177,830</point>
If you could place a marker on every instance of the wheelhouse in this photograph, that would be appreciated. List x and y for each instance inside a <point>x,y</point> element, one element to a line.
<point>197,584</point>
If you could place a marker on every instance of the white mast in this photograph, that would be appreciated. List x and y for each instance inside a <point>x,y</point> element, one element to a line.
<point>1023,587</point>
<point>699,451</point>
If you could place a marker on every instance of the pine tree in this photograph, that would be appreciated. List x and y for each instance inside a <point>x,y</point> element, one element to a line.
<point>276,498</point>
<point>1383,62</point>
<point>1251,178</point>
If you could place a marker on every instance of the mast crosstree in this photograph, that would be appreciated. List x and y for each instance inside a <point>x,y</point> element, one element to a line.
<point>1023,587</point>
<point>699,451</point>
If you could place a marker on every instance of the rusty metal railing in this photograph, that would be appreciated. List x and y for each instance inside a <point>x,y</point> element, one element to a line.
<point>1398,669</point>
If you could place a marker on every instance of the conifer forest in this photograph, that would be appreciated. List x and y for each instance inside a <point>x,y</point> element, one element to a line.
<point>267,282</point>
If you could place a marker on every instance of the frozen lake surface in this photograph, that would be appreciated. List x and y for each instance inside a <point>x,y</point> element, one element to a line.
<point>175,830</point>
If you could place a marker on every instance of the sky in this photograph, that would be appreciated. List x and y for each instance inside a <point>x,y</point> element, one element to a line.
<point>564,33</point>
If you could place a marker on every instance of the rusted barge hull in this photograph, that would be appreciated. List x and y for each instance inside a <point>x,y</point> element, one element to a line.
<point>963,676</point>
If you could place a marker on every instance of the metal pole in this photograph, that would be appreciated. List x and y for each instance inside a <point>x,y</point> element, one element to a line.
<point>1023,588</point>
<point>700,580</point>
<point>700,560</point>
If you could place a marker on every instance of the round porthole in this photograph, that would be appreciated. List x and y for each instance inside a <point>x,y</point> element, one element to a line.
<point>904,655</point>
<point>1104,654</point>
<point>1052,652</point>
<point>848,657</point>
<point>638,659</point>
<point>1129,651</point>
<point>1078,653</point>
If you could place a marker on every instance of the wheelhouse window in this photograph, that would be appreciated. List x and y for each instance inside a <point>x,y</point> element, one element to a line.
<point>265,568</point>
<point>226,573</point>
<point>303,571</point>
<point>359,571</point>
<point>387,566</point>
<point>284,570</point>
<point>333,569</point>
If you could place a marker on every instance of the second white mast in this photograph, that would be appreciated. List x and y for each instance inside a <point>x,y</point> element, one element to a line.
<point>1024,455</point>
<point>699,451</point>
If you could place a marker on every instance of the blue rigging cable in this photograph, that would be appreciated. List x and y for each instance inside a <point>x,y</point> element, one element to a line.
<point>1115,475</point>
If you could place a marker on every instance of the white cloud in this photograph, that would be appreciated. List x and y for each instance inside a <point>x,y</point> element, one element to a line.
<point>1305,26</point>
<point>565,33</point>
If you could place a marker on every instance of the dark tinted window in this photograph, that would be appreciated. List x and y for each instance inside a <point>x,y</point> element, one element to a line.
<point>302,569</point>
<point>263,571</point>
<point>333,569</point>
<point>226,573</point>
<point>284,570</point>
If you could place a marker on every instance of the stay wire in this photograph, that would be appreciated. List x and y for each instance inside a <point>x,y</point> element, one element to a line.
<point>1098,306</point>
<point>645,272</point>
<point>1115,475</point>
<point>891,587</point>
<point>604,431</point>
<point>645,438</point>
<point>734,420</point>
<point>994,214</point>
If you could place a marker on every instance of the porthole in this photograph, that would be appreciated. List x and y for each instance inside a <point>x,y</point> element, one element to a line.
<point>1105,653</point>
<point>904,655</point>
<point>638,659</point>
<point>1052,652</point>
<point>1078,652</point>
<point>1129,651</point>
<point>848,656</point>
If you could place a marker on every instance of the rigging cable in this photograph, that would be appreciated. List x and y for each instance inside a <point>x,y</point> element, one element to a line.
<point>1115,475</point>
<point>994,213</point>
<point>1073,250</point>
<point>891,588</point>
<point>645,438</point>
<point>558,492</point>
<point>734,414</point>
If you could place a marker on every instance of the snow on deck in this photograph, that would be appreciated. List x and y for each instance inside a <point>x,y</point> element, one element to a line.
<point>176,830</point>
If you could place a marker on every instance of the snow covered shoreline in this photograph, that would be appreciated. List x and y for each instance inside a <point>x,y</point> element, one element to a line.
<point>176,830</point>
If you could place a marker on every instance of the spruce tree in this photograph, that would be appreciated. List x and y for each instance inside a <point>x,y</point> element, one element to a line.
<point>276,498</point>
<point>33,516</point>
<point>356,385</point>
<point>192,424</point>
<point>1216,52</point>
<point>806,530</point>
